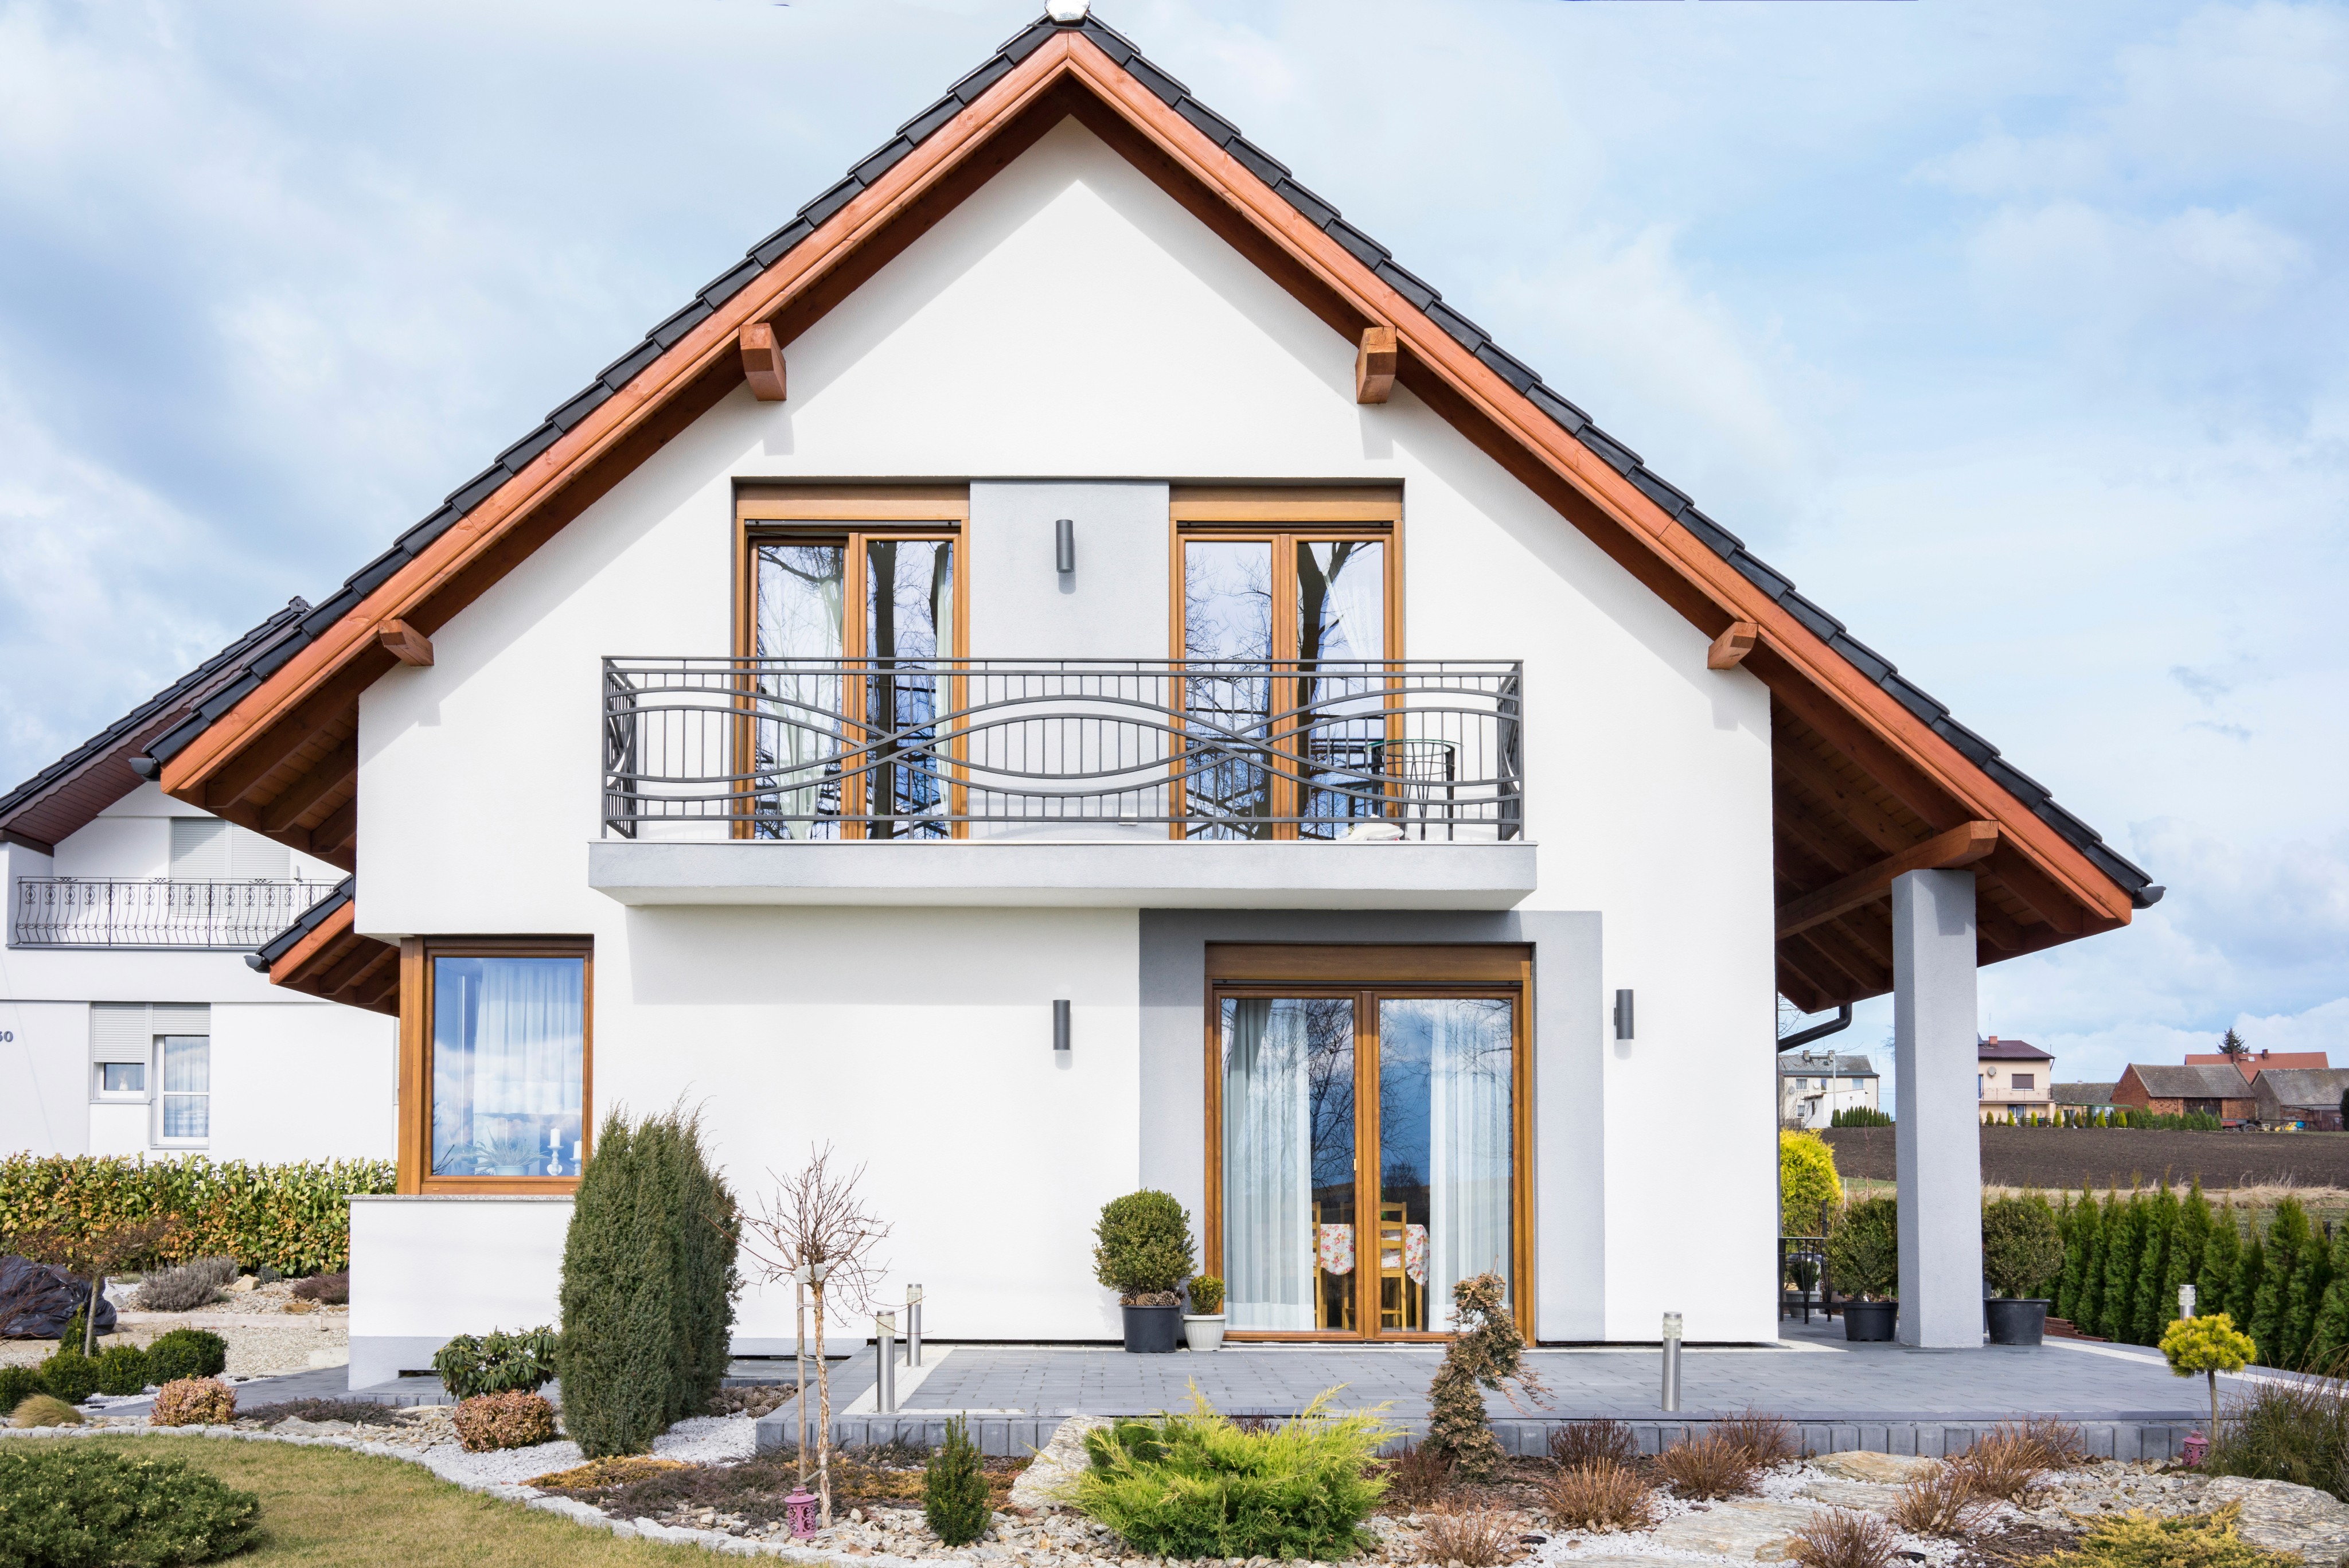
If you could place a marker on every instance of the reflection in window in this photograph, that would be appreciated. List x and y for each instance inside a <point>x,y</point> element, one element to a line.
<point>909,621</point>
<point>802,589</point>
<point>1446,1137</point>
<point>187,1087</point>
<point>508,1065</point>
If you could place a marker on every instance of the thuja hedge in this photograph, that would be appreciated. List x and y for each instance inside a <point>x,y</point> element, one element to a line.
<point>2286,1286</point>
<point>291,1218</point>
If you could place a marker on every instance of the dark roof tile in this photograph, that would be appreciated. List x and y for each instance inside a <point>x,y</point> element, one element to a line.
<point>1213,126</point>
<point>1168,90</point>
<point>1271,170</point>
<point>431,528</point>
<point>918,129</point>
<point>1717,539</point>
<point>1318,212</point>
<point>1613,452</point>
<point>1752,569</point>
<point>778,245</point>
<point>969,89</point>
<point>1564,414</point>
<point>726,286</point>
<point>669,332</point>
<point>629,366</point>
<point>2015,782</point>
<point>516,458</point>
<point>1027,42</point>
<point>1816,621</point>
<point>580,407</point>
<point>377,571</point>
<point>479,488</point>
<point>1510,368</point>
<point>1662,494</point>
<point>820,211</point>
<point>1861,657</point>
<point>882,161</point>
<point>1109,40</point>
<point>1458,328</point>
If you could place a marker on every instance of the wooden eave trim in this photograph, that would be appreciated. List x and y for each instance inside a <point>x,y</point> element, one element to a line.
<point>1961,845</point>
<point>714,345</point>
<point>322,936</point>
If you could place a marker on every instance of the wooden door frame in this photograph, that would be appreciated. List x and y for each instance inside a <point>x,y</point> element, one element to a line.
<point>1369,972</point>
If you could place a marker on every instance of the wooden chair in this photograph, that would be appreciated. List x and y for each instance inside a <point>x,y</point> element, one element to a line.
<point>1333,1294</point>
<point>1398,1295</point>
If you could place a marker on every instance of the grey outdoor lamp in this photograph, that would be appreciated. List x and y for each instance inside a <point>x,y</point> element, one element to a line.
<point>1060,1027</point>
<point>1064,546</point>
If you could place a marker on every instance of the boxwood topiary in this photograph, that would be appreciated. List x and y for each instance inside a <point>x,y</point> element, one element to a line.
<point>80,1505</point>
<point>1864,1250</point>
<point>2023,1251</point>
<point>19,1384</point>
<point>70,1376</point>
<point>186,1353</point>
<point>121,1369</point>
<point>1143,1247</point>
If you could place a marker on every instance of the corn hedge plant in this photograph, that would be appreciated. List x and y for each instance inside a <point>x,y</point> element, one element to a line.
<point>293,1217</point>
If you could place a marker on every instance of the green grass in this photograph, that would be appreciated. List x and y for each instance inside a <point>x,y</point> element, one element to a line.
<point>323,1507</point>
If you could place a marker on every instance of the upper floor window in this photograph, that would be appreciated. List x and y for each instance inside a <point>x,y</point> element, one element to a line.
<point>2025,1080</point>
<point>509,1060</point>
<point>186,1112</point>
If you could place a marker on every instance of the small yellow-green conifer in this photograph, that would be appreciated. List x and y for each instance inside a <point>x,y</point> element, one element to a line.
<point>2208,1344</point>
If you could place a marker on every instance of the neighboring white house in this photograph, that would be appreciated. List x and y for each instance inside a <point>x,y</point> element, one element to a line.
<point>1147,696</point>
<point>130,1021</point>
<point>1814,1085</point>
<point>2015,1080</point>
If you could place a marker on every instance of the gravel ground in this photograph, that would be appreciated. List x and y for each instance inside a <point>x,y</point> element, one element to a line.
<point>268,1330</point>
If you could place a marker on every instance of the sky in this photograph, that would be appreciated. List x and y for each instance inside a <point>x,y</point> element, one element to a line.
<point>2015,333</point>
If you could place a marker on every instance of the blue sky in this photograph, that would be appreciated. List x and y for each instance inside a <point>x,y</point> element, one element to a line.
<point>2014,333</point>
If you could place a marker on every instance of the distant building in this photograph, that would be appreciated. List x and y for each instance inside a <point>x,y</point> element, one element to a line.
<point>2013,1079</point>
<point>2082,1096</point>
<point>2301,1097</point>
<point>2202,1089</point>
<point>1813,1086</point>
<point>2252,1062</point>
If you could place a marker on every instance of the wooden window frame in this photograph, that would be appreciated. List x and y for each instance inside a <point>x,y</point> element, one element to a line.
<point>415,1137</point>
<point>1370,972</point>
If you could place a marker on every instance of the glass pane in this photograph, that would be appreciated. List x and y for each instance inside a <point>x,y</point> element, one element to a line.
<point>1288,1162</point>
<point>123,1078</point>
<point>909,624</point>
<point>801,591</point>
<point>508,1049</point>
<point>187,1063</point>
<point>187,1116</point>
<point>1445,1146</point>
<point>1227,617</point>
<point>1342,614</point>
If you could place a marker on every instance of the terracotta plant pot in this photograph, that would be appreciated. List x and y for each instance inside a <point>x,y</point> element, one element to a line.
<point>2015,1320</point>
<point>1153,1330</point>
<point>1870,1320</point>
<point>1203,1331</point>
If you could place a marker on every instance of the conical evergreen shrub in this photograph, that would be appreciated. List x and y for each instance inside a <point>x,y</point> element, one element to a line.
<point>2146,1320</point>
<point>648,1285</point>
<point>954,1488</point>
<point>2303,1297</point>
<point>2123,1239</point>
<point>2079,1237</point>
<point>2248,1273</point>
<point>2328,1335</point>
<point>2193,1233</point>
<point>2222,1258</point>
<point>2088,1310</point>
<point>2287,1239</point>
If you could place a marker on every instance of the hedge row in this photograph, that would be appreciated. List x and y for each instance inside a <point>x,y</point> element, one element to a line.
<point>2124,1259</point>
<point>291,1218</point>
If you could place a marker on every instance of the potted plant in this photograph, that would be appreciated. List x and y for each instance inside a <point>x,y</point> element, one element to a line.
<point>1864,1262</point>
<point>1203,1326</point>
<point>2022,1250</point>
<point>1142,1250</point>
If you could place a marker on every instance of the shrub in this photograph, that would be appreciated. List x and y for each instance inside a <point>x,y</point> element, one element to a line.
<point>2289,1432</point>
<point>186,1353</point>
<point>70,1376</point>
<point>1207,1295</point>
<point>1807,1185</point>
<point>1599,1494</point>
<point>1195,1485</point>
<point>293,1216</point>
<point>19,1384</point>
<point>2136,1540</point>
<point>76,1505</point>
<point>1418,1476</point>
<point>1471,1537</point>
<point>327,1289</point>
<point>357,1412</point>
<point>1141,1247</point>
<point>42,1410</point>
<point>954,1489</point>
<point>1843,1537</point>
<point>185,1287</point>
<point>1709,1468</point>
<point>194,1402</point>
<point>121,1369</point>
<point>2022,1250</point>
<point>1861,1116</point>
<point>648,1285</point>
<point>512,1419</point>
<point>1486,1351</point>
<point>1942,1502</point>
<point>1586,1442</point>
<point>1864,1250</point>
<point>1765,1441</point>
<point>497,1363</point>
<point>2007,1465</point>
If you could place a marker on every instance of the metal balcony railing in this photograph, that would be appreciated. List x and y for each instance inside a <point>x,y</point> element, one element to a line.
<point>158,912</point>
<point>846,748</point>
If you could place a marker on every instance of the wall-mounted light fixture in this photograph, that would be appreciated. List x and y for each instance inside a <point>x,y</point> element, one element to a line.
<point>1064,546</point>
<point>1623,1015</point>
<point>1060,1027</point>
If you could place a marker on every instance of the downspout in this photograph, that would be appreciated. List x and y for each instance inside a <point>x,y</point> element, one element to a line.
<point>1835,1025</point>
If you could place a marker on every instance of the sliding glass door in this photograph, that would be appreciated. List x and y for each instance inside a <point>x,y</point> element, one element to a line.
<point>1369,1157</point>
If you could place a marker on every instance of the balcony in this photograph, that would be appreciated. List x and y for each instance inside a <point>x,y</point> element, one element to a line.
<point>1386,784</point>
<point>157,912</point>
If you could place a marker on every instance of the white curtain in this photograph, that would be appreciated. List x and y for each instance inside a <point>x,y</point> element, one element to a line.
<point>802,592</point>
<point>508,1050</point>
<point>1267,1166</point>
<point>1469,1143</point>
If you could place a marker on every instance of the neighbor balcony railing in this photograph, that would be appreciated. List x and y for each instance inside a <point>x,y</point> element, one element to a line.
<point>158,912</point>
<point>845,748</point>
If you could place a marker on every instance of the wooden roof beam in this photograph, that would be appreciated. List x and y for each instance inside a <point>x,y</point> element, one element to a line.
<point>327,775</point>
<point>405,643</point>
<point>1944,852</point>
<point>338,828</point>
<point>1843,797</point>
<point>1730,649</point>
<point>762,362</point>
<point>1374,365</point>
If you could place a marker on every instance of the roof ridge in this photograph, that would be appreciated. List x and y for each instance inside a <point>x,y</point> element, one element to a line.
<point>1675,503</point>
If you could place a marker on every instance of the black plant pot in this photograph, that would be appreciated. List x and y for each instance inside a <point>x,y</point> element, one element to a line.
<point>2014,1322</point>
<point>1153,1330</point>
<point>1870,1320</point>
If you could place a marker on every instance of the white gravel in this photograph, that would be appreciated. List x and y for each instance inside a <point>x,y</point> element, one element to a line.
<point>701,1440</point>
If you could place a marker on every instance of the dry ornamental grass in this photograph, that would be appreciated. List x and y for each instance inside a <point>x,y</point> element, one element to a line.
<point>1471,1537</point>
<point>1600,1495</point>
<point>1843,1537</point>
<point>1418,1477</point>
<point>1766,1441</point>
<point>1944,1502</point>
<point>1710,1468</point>
<point>1581,1442</point>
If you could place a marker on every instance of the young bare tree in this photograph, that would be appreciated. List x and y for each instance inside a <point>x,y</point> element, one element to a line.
<point>816,1229</point>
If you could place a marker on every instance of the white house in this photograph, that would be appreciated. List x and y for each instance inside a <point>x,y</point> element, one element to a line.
<point>130,1020</point>
<point>1815,1083</point>
<point>1067,670</point>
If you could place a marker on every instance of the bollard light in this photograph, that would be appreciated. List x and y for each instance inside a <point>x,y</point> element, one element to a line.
<point>2186,1299</point>
<point>1671,1400</point>
<point>913,1325</point>
<point>885,1363</point>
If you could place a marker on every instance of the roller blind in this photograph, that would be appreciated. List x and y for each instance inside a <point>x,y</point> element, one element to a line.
<point>199,849</point>
<point>250,855</point>
<point>126,1030</point>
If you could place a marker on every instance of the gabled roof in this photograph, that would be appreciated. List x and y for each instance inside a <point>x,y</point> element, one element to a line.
<point>2320,1087</point>
<point>321,955</point>
<point>2254,1062</point>
<point>2082,1094</point>
<point>69,793</point>
<point>2162,1082</point>
<point>1996,1050</point>
<point>1868,766</point>
<point>1795,1064</point>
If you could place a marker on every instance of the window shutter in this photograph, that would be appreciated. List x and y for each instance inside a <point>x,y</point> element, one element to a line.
<point>120,1031</point>
<point>250,855</point>
<point>181,1018</point>
<point>199,849</point>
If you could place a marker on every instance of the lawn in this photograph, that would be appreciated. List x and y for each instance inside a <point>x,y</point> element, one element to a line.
<point>330,1507</point>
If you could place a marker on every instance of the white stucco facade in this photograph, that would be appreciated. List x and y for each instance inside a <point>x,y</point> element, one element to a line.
<point>288,1076</point>
<point>1069,342</point>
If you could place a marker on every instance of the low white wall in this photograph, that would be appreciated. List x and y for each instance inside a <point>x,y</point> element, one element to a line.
<point>427,1269</point>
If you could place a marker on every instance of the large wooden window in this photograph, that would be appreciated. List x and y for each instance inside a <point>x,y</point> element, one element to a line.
<point>496,1063</point>
<point>852,601</point>
<point>1367,1135</point>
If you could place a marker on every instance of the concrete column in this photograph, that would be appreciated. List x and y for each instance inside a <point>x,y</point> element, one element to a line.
<point>1939,1108</point>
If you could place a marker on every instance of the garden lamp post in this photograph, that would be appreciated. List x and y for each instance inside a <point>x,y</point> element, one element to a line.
<point>1671,1400</point>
